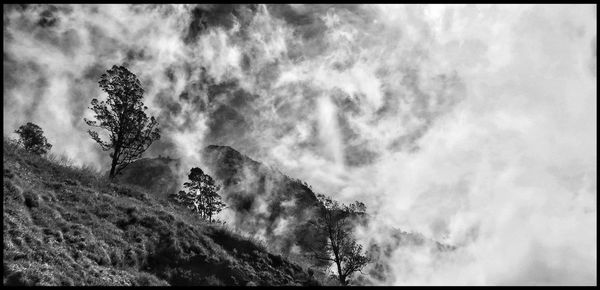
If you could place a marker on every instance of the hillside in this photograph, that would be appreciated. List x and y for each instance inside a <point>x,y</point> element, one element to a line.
<point>264,201</point>
<point>156,175</point>
<point>66,226</point>
<point>274,206</point>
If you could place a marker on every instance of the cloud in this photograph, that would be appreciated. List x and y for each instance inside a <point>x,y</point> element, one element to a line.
<point>515,160</point>
<point>472,124</point>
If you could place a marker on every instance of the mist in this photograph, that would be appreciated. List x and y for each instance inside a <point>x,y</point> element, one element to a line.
<point>474,125</point>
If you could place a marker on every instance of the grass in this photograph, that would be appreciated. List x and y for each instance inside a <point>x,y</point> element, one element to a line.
<point>68,225</point>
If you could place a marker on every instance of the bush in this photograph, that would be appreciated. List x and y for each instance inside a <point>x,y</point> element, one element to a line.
<point>31,199</point>
<point>65,227</point>
<point>8,173</point>
<point>12,192</point>
<point>32,138</point>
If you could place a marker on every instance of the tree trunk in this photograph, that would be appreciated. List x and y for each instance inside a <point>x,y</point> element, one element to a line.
<point>112,171</point>
<point>113,166</point>
<point>338,262</point>
<point>209,210</point>
<point>341,277</point>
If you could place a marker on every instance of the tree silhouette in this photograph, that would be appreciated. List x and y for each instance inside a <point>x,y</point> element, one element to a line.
<point>201,195</point>
<point>131,132</point>
<point>32,138</point>
<point>341,249</point>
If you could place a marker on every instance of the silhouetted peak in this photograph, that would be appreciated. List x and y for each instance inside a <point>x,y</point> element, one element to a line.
<point>228,156</point>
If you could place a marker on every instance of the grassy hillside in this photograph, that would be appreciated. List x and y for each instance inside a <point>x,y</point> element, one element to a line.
<point>67,226</point>
<point>264,201</point>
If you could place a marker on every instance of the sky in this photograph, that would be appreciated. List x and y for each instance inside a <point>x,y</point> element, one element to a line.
<point>474,125</point>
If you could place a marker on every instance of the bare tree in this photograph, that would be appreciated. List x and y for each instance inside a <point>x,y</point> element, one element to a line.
<point>131,132</point>
<point>335,220</point>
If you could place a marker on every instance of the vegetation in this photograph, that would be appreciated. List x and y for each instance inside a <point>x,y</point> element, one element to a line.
<point>31,136</point>
<point>66,225</point>
<point>131,132</point>
<point>341,249</point>
<point>201,195</point>
<point>247,183</point>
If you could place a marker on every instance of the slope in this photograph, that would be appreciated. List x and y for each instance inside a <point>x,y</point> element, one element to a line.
<point>66,226</point>
<point>263,201</point>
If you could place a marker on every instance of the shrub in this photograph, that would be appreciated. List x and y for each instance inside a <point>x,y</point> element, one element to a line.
<point>32,138</point>
<point>8,173</point>
<point>12,192</point>
<point>31,199</point>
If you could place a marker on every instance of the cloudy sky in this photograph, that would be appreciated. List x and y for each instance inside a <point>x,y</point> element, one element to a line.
<point>474,125</point>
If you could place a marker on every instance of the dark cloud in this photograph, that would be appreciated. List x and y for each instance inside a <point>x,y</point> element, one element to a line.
<point>204,17</point>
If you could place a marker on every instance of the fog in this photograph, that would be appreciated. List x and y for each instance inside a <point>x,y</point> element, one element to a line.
<point>474,125</point>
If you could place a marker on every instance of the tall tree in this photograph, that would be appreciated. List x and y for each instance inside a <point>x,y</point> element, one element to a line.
<point>201,195</point>
<point>335,221</point>
<point>130,130</point>
<point>32,138</point>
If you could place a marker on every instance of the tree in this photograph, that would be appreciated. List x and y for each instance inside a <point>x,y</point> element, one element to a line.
<point>131,132</point>
<point>32,138</point>
<point>335,221</point>
<point>201,195</point>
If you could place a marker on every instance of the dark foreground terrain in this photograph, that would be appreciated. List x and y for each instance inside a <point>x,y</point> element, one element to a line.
<point>65,225</point>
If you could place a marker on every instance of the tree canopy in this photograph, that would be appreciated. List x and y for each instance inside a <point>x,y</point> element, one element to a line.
<point>201,194</point>
<point>341,248</point>
<point>130,130</point>
<point>31,136</point>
